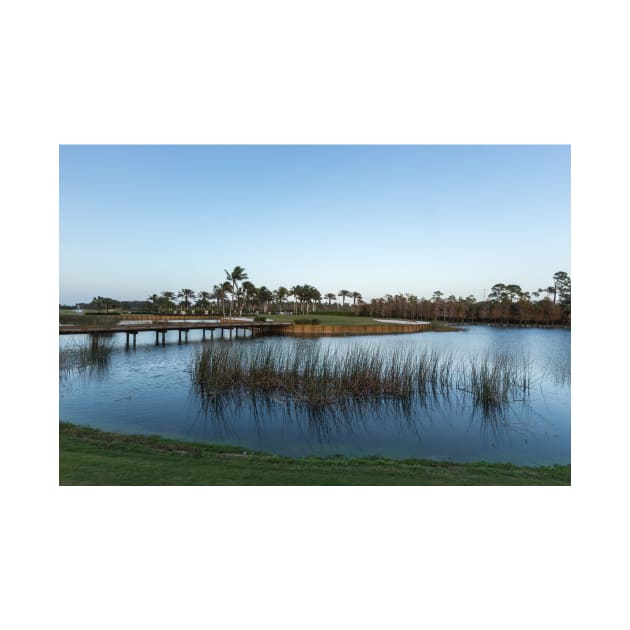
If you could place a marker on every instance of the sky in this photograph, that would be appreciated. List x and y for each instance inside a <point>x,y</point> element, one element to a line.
<point>136,220</point>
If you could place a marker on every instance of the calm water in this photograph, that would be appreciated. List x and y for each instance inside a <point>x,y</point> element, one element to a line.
<point>148,390</point>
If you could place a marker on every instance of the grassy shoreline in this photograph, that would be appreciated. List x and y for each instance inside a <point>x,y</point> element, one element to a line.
<point>89,456</point>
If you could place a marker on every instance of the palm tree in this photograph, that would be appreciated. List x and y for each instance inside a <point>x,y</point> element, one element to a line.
<point>204,300</point>
<point>309,295</point>
<point>356,296</point>
<point>264,297</point>
<point>169,296</point>
<point>237,275</point>
<point>109,303</point>
<point>220,291</point>
<point>186,294</point>
<point>155,301</point>
<point>330,297</point>
<point>249,291</point>
<point>344,293</point>
<point>314,296</point>
<point>280,294</point>
<point>295,291</point>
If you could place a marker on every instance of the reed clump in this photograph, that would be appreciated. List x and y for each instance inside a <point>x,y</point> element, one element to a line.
<point>92,356</point>
<point>317,376</point>
<point>495,380</point>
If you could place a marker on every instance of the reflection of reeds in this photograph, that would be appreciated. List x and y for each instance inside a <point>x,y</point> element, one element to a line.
<point>91,356</point>
<point>495,380</point>
<point>319,377</point>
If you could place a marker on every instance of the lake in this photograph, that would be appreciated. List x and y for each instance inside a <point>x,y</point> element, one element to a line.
<point>148,389</point>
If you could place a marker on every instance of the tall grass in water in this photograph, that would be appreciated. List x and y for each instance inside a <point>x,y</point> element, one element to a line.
<point>495,380</point>
<point>91,356</point>
<point>320,377</point>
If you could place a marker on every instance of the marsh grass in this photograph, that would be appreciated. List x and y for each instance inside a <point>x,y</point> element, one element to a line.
<point>317,378</point>
<point>88,357</point>
<point>495,380</point>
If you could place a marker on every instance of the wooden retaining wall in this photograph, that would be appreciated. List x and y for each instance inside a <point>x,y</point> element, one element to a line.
<point>319,330</point>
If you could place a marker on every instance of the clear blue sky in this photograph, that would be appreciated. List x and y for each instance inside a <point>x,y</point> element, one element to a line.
<point>137,220</point>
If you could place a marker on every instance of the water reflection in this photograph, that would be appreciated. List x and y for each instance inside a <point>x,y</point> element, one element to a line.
<point>150,391</point>
<point>413,413</point>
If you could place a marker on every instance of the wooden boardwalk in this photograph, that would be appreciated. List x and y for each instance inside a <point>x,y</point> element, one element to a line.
<point>232,326</point>
<point>162,327</point>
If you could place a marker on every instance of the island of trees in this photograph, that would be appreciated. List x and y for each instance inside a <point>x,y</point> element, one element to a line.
<point>506,304</point>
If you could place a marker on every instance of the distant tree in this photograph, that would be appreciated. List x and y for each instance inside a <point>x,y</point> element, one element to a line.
<point>470,303</point>
<point>235,276</point>
<point>109,303</point>
<point>203,301</point>
<point>154,301</point>
<point>168,296</point>
<point>330,297</point>
<point>312,296</point>
<point>413,301</point>
<point>295,292</point>
<point>514,292</point>
<point>498,293</point>
<point>249,293</point>
<point>437,300</point>
<point>562,287</point>
<point>264,296</point>
<point>344,293</point>
<point>98,302</point>
<point>187,295</point>
<point>280,294</point>
<point>220,293</point>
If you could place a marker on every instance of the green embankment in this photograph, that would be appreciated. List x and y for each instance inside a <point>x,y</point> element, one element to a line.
<point>91,457</point>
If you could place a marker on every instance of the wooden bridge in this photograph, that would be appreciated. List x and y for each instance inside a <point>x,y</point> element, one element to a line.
<point>162,327</point>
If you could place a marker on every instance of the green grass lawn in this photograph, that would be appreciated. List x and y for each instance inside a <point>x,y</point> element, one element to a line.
<point>91,457</point>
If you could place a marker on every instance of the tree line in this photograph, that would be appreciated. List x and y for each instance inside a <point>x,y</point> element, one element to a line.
<point>237,295</point>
